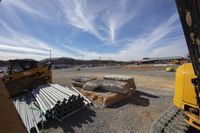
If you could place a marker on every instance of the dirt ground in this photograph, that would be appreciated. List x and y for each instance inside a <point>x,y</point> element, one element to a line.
<point>154,79</point>
<point>153,96</point>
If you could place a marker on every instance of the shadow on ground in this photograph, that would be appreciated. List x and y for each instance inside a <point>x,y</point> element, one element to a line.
<point>139,98</point>
<point>68,124</point>
<point>192,130</point>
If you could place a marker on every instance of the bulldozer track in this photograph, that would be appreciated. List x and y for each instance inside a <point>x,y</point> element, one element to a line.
<point>171,121</point>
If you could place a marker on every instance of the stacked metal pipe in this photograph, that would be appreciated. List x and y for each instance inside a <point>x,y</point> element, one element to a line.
<point>57,101</point>
<point>29,112</point>
<point>47,102</point>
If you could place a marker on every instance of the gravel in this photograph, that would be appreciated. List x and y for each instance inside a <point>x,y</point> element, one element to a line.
<point>134,114</point>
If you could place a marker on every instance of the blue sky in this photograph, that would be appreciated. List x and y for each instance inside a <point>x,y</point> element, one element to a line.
<point>107,29</point>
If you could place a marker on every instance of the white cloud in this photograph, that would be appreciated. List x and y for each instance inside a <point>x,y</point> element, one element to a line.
<point>152,44</point>
<point>19,45</point>
<point>102,19</point>
<point>119,15</point>
<point>36,8</point>
<point>79,14</point>
<point>16,40</point>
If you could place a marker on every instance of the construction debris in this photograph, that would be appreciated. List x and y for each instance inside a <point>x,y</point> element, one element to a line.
<point>128,79</point>
<point>107,85</point>
<point>77,84</point>
<point>105,99</point>
<point>48,102</point>
<point>91,85</point>
<point>83,79</point>
<point>107,90</point>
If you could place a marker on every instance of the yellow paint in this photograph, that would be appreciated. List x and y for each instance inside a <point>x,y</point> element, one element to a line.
<point>185,93</point>
<point>169,69</point>
<point>39,72</point>
<point>193,118</point>
<point>184,90</point>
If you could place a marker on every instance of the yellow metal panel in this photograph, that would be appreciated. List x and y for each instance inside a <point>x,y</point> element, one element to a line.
<point>189,91</point>
<point>179,85</point>
<point>184,90</point>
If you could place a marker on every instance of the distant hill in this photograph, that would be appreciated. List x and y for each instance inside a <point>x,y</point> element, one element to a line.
<point>3,63</point>
<point>73,62</point>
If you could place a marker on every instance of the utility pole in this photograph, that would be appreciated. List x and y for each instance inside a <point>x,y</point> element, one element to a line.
<point>99,62</point>
<point>82,58</point>
<point>50,55</point>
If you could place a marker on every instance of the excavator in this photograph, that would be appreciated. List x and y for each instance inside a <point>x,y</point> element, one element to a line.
<point>183,114</point>
<point>186,111</point>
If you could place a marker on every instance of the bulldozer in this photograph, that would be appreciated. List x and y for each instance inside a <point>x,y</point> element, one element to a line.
<point>20,77</point>
<point>24,75</point>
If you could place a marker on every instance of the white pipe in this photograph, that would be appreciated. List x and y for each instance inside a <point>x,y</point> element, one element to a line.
<point>63,90</point>
<point>51,94</point>
<point>48,107</point>
<point>26,117</point>
<point>39,102</point>
<point>29,116</point>
<point>35,117</point>
<point>24,108</point>
<point>61,96</point>
<point>51,101</point>
<point>59,93</point>
<point>83,96</point>
<point>45,100</point>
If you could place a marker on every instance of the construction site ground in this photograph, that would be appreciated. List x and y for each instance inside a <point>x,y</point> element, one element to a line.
<point>154,94</point>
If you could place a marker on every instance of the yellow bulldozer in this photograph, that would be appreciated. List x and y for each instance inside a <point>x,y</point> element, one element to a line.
<point>24,75</point>
<point>21,76</point>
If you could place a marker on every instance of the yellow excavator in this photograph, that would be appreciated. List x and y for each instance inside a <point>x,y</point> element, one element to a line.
<point>187,87</point>
<point>186,111</point>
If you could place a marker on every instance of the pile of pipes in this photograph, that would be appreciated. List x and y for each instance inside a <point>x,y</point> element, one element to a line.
<point>57,101</point>
<point>29,112</point>
<point>48,102</point>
